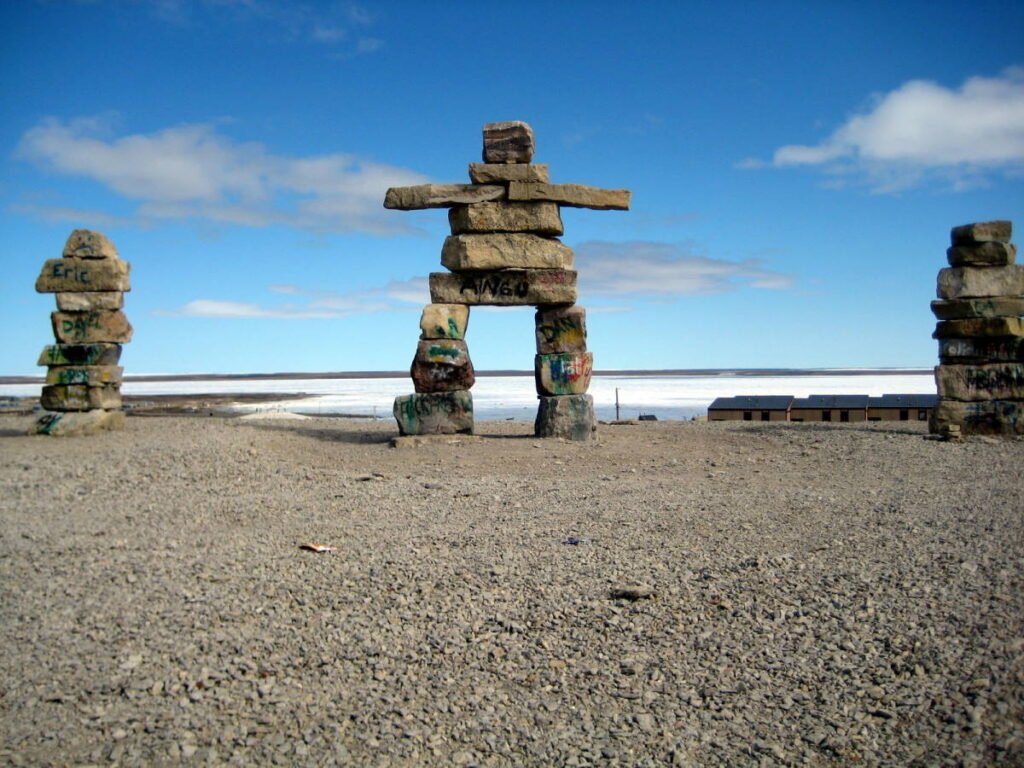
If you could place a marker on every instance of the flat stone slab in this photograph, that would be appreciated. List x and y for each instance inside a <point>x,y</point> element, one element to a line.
<point>999,231</point>
<point>79,397</point>
<point>993,306</point>
<point>440,196</point>
<point>571,195</point>
<point>74,275</point>
<point>982,350</point>
<point>508,142</point>
<point>561,329</point>
<point>567,373</point>
<point>109,325</point>
<point>994,381</point>
<point>972,282</point>
<point>506,287</point>
<point>432,441</point>
<point>503,216</point>
<point>982,255</point>
<point>80,354</point>
<point>984,417</point>
<point>570,417</point>
<point>443,413</point>
<point>473,253</point>
<point>979,326</point>
<point>77,423</point>
<point>89,375</point>
<point>444,321</point>
<point>442,365</point>
<point>86,244</point>
<point>502,173</point>
<point>86,302</point>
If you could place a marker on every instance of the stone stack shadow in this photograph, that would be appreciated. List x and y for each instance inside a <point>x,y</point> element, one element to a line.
<point>980,376</point>
<point>82,393</point>
<point>503,251</point>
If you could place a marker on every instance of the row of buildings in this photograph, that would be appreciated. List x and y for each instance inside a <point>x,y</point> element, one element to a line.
<point>838,408</point>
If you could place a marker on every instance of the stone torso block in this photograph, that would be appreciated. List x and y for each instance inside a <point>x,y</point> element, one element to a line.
<point>110,326</point>
<point>467,253</point>
<point>83,275</point>
<point>506,287</point>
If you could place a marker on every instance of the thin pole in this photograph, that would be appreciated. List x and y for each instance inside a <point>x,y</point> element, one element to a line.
<point>616,403</point>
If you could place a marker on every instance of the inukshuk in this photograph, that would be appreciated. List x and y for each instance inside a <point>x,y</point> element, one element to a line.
<point>980,331</point>
<point>503,251</point>
<point>83,380</point>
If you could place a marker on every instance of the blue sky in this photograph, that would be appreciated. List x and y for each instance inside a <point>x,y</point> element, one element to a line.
<point>795,169</point>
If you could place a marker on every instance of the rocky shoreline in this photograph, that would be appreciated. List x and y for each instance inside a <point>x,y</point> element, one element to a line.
<point>681,593</point>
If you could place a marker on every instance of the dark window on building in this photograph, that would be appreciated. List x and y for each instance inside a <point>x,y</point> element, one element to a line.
<point>748,416</point>
<point>844,415</point>
<point>922,414</point>
<point>904,414</point>
<point>826,415</point>
<point>765,416</point>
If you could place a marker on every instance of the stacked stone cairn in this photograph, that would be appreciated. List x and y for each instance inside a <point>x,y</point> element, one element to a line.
<point>82,393</point>
<point>980,309</point>
<point>503,251</point>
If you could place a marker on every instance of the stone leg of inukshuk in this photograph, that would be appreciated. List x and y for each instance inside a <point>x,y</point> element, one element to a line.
<point>980,376</point>
<point>442,375</point>
<point>503,251</point>
<point>562,370</point>
<point>83,380</point>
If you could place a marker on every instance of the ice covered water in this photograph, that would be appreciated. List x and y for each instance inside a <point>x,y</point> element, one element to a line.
<point>515,397</point>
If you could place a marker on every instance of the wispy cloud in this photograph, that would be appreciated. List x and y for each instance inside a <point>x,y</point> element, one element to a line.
<point>922,131</point>
<point>192,171</point>
<point>618,271</point>
<point>665,270</point>
<point>642,124</point>
<point>305,304</point>
<point>83,217</point>
<point>340,26</point>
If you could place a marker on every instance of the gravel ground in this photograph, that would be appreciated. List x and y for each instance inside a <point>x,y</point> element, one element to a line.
<point>822,595</point>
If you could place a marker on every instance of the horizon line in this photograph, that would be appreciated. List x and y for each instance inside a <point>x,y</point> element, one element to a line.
<point>636,372</point>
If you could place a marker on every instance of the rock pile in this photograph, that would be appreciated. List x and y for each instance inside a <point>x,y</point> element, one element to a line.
<point>980,332</point>
<point>503,251</point>
<point>82,393</point>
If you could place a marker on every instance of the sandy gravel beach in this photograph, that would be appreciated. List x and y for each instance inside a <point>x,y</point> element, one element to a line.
<point>807,595</point>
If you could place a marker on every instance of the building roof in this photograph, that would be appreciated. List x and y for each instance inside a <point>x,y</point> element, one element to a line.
<point>752,403</point>
<point>831,401</point>
<point>903,401</point>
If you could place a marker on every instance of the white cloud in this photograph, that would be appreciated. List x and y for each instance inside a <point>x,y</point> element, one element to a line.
<point>314,304</point>
<point>923,129</point>
<point>665,270</point>
<point>192,171</point>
